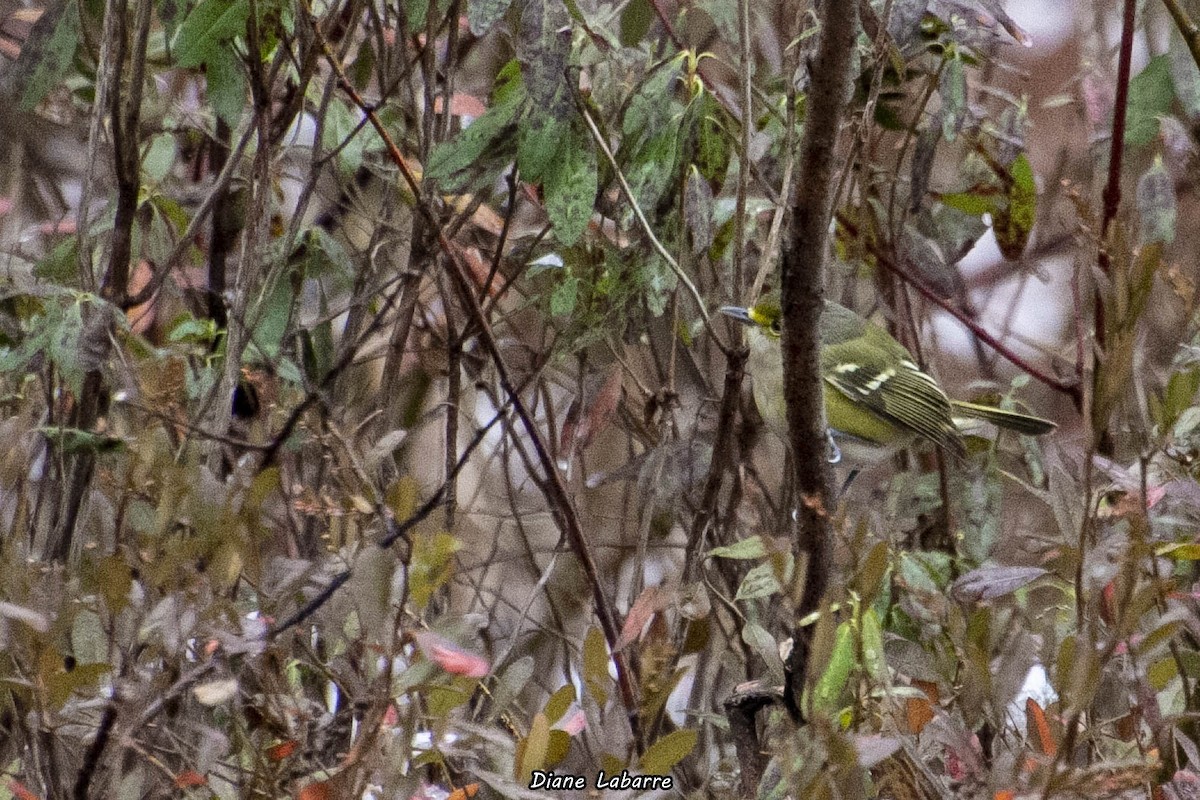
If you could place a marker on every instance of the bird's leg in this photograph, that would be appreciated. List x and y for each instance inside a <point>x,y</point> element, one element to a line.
<point>835,453</point>
<point>849,480</point>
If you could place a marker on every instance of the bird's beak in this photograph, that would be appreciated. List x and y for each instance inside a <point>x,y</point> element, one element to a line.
<point>742,315</point>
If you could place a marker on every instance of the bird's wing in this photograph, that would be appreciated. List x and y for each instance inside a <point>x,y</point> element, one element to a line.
<point>901,394</point>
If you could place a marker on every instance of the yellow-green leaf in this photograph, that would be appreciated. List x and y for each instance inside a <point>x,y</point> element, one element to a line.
<point>531,752</point>
<point>668,751</point>
<point>595,666</point>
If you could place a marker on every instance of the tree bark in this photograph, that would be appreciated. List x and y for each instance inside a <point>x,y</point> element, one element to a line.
<point>802,297</point>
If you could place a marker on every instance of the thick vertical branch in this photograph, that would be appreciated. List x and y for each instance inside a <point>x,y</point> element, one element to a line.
<point>125,103</point>
<point>1112,200</point>
<point>225,227</point>
<point>802,296</point>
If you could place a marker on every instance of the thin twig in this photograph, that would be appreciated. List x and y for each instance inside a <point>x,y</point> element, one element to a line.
<point>743,176</point>
<point>1187,28</point>
<point>1072,390</point>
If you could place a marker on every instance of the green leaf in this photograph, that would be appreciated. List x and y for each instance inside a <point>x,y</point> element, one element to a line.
<point>595,666</point>
<point>827,693</point>
<point>541,138</point>
<point>654,167</point>
<point>65,345</point>
<point>115,579</point>
<point>318,348</point>
<point>635,22</point>
<point>531,751</point>
<point>432,565</point>
<point>698,209</point>
<point>159,157</point>
<point>872,647</point>
<point>190,329</point>
<point>570,188</point>
<point>362,69</point>
<point>1156,204</point>
<point>543,47</point>
<point>483,14</point>
<point>371,588</point>
<point>761,642</point>
<point>16,358</point>
<point>1150,95</point>
<point>509,86</point>
<point>1180,551</point>
<point>559,702</point>
<point>1022,195</point>
<point>47,54</point>
<point>973,203</point>
<point>564,297</point>
<point>211,23</point>
<point>271,319</point>
<point>653,105</point>
<point>759,582</point>
<point>557,747</point>
<point>1181,388</point>
<point>466,149</point>
<point>874,568</point>
<point>668,751</point>
<point>59,266</point>
<point>74,440</point>
<point>1014,223</point>
<point>742,550</point>
<point>344,133</point>
<point>511,683</point>
<point>1162,672</point>
<point>416,11</point>
<point>226,84</point>
<point>61,684</point>
<point>712,148</point>
<point>953,90</point>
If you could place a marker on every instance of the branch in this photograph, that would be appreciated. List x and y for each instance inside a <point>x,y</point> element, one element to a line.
<point>1187,28</point>
<point>742,709</point>
<point>1112,197</point>
<point>1112,191</point>
<point>1072,390</point>
<point>803,286</point>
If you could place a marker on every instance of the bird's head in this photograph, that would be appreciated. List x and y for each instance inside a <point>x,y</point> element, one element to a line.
<point>764,316</point>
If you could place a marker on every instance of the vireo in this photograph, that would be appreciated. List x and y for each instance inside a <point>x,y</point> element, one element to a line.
<point>877,400</point>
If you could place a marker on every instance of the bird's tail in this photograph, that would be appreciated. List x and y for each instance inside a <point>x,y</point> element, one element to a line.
<point>1009,420</point>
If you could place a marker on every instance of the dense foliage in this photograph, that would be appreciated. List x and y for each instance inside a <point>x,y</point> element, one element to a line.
<point>368,430</point>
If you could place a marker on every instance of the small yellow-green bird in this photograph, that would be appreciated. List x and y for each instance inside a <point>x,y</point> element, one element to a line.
<point>877,400</point>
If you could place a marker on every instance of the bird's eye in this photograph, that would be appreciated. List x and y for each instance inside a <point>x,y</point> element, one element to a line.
<point>776,327</point>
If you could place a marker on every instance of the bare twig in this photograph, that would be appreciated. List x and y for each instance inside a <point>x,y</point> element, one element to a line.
<point>743,177</point>
<point>1187,27</point>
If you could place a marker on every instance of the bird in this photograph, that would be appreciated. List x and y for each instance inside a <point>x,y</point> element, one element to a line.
<point>877,399</point>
